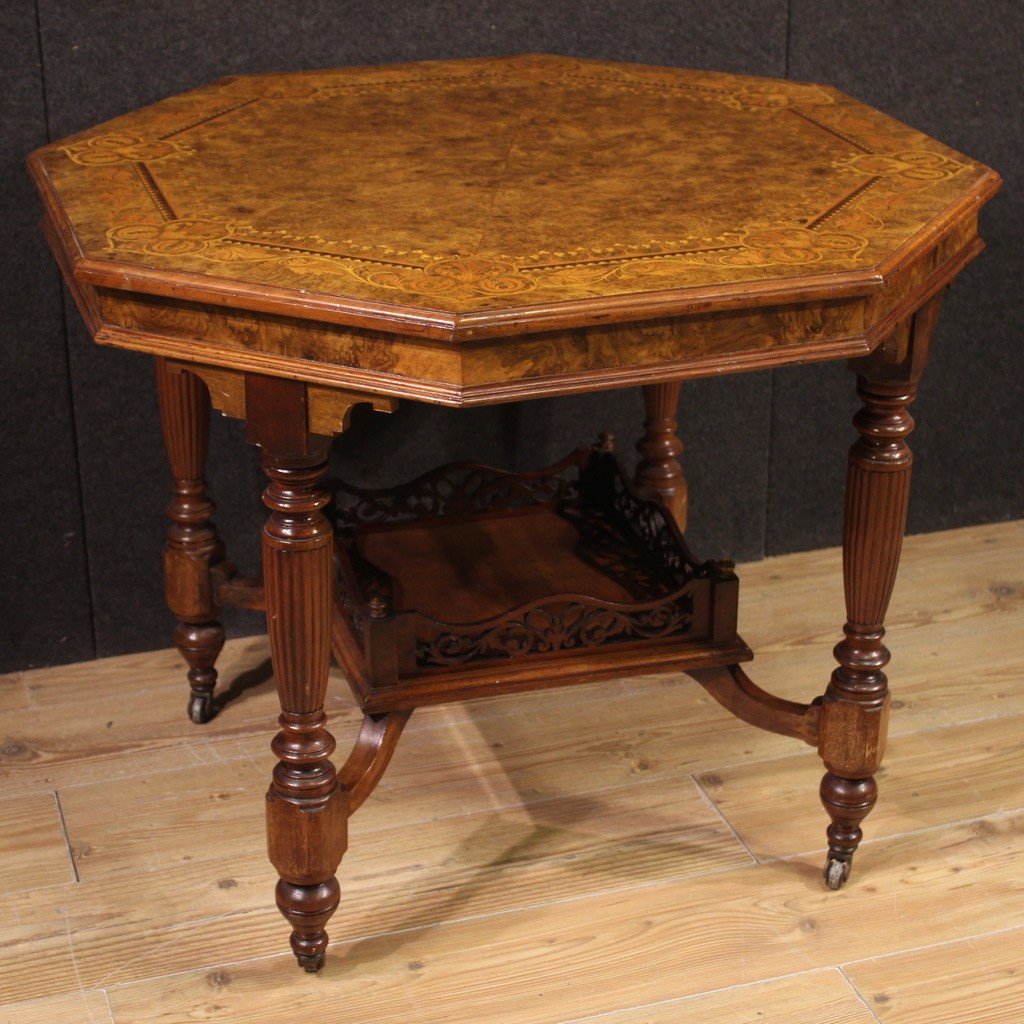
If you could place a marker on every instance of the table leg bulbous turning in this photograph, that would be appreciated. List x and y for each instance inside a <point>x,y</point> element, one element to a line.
<point>193,545</point>
<point>848,802</point>
<point>306,807</point>
<point>855,707</point>
<point>659,474</point>
<point>200,644</point>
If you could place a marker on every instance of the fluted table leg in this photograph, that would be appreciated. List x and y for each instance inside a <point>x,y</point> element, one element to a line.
<point>306,816</point>
<point>855,707</point>
<point>192,542</point>
<point>306,807</point>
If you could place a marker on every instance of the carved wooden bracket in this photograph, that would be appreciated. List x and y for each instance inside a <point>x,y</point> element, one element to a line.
<point>328,410</point>
<point>370,756</point>
<point>736,692</point>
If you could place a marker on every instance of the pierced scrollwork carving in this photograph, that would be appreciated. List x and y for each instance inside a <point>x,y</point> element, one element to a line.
<point>458,489</point>
<point>648,522</point>
<point>606,543</point>
<point>351,609</point>
<point>666,595</point>
<point>557,624</point>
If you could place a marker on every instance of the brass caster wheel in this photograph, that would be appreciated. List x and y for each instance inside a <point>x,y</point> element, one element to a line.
<point>200,708</point>
<point>836,872</point>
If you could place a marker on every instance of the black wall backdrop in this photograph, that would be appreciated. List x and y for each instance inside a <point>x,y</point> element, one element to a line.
<point>84,480</point>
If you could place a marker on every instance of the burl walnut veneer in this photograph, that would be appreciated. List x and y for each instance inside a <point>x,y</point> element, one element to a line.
<point>469,232</point>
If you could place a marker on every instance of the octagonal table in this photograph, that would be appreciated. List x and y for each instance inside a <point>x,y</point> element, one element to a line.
<point>468,232</point>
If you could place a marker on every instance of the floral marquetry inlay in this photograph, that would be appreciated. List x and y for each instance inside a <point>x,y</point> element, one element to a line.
<point>470,276</point>
<point>915,166</point>
<point>471,187</point>
<point>122,147</point>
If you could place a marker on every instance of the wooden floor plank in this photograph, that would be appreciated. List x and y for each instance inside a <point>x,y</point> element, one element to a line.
<point>820,997</point>
<point>572,872</point>
<point>439,773</point>
<point>87,1007</point>
<point>972,601</point>
<point>89,729</point>
<point>36,958</point>
<point>468,865</point>
<point>36,927</point>
<point>965,574</point>
<point>515,878</point>
<point>929,778</point>
<point>936,682</point>
<point>616,950</point>
<point>33,849</point>
<point>144,673</point>
<point>937,675</point>
<point>13,695</point>
<point>950,586</point>
<point>979,981</point>
<point>102,736</point>
<point>432,777</point>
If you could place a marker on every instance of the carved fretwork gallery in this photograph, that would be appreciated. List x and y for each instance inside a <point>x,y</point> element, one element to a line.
<point>609,226</point>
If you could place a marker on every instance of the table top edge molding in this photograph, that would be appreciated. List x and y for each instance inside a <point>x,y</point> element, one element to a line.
<point>457,394</point>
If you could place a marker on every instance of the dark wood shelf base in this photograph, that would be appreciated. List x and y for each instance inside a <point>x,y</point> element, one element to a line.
<point>472,581</point>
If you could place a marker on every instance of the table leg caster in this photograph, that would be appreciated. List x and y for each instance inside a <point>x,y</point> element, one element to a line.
<point>200,708</point>
<point>837,872</point>
<point>199,644</point>
<point>848,802</point>
<point>311,964</point>
<point>307,908</point>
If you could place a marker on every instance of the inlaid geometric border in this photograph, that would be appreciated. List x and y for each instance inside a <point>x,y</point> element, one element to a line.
<point>839,232</point>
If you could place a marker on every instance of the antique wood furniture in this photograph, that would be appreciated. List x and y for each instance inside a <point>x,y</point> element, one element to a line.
<point>470,232</point>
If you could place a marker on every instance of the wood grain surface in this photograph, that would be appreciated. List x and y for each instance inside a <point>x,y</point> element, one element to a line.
<point>33,831</point>
<point>490,185</point>
<point>505,872</point>
<point>976,981</point>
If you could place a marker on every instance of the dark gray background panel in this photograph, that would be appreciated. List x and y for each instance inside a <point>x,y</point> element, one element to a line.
<point>44,597</point>
<point>956,71</point>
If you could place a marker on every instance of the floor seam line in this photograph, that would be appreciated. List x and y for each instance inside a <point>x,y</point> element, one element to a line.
<point>699,995</point>
<point>64,834</point>
<point>727,766</point>
<point>857,994</point>
<point>872,840</point>
<point>931,945</point>
<point>728,824</point>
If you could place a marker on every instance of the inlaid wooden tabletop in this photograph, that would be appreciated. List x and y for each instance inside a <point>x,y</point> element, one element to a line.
<point>466,199</point>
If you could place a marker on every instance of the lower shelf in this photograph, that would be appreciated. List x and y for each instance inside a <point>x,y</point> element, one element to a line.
<point>523,676</point>
<point>473,581</point>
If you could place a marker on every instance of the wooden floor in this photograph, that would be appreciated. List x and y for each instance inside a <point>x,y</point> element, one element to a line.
<point>625,850</point>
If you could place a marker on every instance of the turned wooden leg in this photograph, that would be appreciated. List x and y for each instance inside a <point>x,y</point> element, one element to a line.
<point>306,808</point>
<point>855,708</point>
<point>192,541</point>
<point>856,704</point>
<point>308,804</point>
<point>659,475</point>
